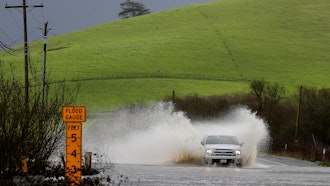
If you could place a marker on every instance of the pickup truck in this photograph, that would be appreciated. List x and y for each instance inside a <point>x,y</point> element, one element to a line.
<point>222,149</point>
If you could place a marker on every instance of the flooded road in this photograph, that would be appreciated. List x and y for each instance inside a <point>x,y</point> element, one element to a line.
<point>158,145</point>
<point>269,170</point>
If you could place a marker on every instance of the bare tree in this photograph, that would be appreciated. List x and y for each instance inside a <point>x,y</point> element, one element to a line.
<point>131,9</point>
<point>266,94</point>
<point>258,88</point>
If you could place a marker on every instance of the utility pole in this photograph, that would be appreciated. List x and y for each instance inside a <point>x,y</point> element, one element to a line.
<point>298,116</point>
<point>44,66</point>
<point>26,50</point>
<point>25,124</point>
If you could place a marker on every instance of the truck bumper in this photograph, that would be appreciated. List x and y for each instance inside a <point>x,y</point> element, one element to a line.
<point>236,160</point>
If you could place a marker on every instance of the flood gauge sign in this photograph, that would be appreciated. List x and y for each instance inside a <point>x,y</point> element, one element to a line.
<point>73,116</point>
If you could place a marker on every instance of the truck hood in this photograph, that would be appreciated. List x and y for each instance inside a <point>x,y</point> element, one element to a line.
<point>222,146</point>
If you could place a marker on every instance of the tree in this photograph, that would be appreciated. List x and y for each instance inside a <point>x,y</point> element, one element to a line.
<point>266,94</point>
<point>315,112</point>
<point>131,9</point>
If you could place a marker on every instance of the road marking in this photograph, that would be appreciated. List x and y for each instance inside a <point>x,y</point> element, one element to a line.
<point>274,162</point>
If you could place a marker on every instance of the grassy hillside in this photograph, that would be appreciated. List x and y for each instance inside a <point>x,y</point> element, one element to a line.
<point>207,49</point>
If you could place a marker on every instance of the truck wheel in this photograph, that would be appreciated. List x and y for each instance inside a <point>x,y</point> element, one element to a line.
<point>208,162</point>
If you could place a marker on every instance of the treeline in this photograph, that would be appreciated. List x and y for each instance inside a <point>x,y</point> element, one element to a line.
<point>309,129</point>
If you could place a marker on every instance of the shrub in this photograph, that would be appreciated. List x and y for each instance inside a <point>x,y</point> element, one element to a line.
<point>33,132</point>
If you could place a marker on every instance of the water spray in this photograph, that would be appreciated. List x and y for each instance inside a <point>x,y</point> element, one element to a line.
<point>158,134</point>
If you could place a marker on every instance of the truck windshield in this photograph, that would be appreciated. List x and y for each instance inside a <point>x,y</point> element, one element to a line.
<point>221,140</point>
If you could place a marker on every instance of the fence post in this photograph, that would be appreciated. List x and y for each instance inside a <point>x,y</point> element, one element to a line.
<point>24,165</point>
<point>88,161</point>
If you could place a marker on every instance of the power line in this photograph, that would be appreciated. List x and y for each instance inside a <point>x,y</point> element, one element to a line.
<point>36,20</point>
<point>6,35</point>
<point>15,21</point>
<point>6,48</point>
<point>3,45</point>
<point>32,16</point>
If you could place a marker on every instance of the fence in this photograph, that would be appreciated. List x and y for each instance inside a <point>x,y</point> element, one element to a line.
<point>303,151</point>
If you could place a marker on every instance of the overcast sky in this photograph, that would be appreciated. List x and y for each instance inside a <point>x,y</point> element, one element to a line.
<point>67,15</point>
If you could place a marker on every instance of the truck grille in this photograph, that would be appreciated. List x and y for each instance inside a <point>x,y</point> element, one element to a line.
<point>224,152</point>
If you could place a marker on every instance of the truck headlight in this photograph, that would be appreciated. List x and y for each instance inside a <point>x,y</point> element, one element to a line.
<point>208,152</point>
<point>238,152</point>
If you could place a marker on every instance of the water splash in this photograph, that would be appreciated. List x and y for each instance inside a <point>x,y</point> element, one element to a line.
<point>158,134</point>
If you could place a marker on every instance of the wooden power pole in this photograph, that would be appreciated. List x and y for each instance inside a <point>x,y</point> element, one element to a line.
<point>26,50</point>
<point>298,116</point>
<point>44,67</point>
<point>25,124</point>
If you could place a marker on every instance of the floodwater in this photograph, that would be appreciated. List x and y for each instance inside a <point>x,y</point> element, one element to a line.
<point>156,145</point>
<point>281,171</point>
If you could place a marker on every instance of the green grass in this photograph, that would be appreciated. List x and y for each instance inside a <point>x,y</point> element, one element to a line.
<point>146,90</point>
<point>205,49</point>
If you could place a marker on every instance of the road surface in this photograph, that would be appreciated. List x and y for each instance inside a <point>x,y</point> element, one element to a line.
<point>269,170</point>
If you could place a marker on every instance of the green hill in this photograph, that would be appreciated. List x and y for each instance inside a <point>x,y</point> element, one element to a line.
<point>205,49</point>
